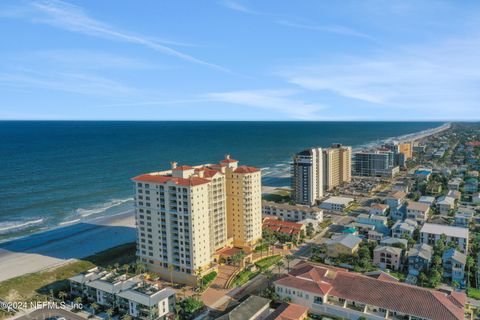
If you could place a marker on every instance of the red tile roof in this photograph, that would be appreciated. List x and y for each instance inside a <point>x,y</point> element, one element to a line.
<point>292,312</point>
<point>473,143</point>
<point>400,297</point>
<point>192,181</point>
<point>181,168</point>
<point>228,161</point>
<point>245,169</point>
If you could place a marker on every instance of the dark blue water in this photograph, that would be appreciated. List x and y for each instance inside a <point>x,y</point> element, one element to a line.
<point>55,172</point>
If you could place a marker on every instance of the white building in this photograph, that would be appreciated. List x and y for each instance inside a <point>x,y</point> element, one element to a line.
<point>427,199</point>
<point>418,211</point>
<point>446,204</point>
<point>336,203</point>
<point>431,233</point>
<point>307,178</point>
<point>147,301</point>
<point>404,228</point>
<point>288,212</point>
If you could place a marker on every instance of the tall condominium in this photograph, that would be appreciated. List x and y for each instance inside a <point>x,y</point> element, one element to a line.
<point>184,215</point>
<point>378,163</point>
<point>307,176</point>
<point>406,148</point>
<point>337,166</point>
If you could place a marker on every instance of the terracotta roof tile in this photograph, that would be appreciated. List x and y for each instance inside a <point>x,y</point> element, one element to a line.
<point>192,181</point>
<point>245,169</point>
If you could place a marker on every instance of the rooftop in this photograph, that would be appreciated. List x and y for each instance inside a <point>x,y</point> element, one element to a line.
<point>390,295</point>
<point>339,200</point>
<point>444,229</point>
<point>418,206</point>
<point>248,309</point>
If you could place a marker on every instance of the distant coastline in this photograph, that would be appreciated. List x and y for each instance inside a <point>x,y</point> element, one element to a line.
<point>13,223</point>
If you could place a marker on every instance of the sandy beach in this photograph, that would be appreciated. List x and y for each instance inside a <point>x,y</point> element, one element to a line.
<point>55,247</point>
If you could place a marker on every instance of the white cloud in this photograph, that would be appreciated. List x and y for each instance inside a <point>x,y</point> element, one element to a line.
<point>276,100</point>
<point>236,6</point>
<point>441,78</point>
<point>74,18</point>
<point>342,30</point>
<point>79,83</point>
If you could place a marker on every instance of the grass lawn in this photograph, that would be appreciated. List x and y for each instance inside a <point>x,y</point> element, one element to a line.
<point>207,279</point>
<point>243,277</point>
<point>36,286</point>
<point>277,196</point>
<point>267,262</point>
<point>473,293</point>
<point>262,247</point>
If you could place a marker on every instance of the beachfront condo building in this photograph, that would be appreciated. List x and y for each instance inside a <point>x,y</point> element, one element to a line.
<point>378,163</point>
<point>307,176</point>
<point>185,214</point>
<point>337,166</point>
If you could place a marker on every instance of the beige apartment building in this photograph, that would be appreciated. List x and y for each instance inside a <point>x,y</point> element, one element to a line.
<point>184,215</point>
<point>337,166</point>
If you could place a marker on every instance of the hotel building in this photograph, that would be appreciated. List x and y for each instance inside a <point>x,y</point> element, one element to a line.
<point>184,215</point>
<point>337,166</point>
<point>379,163</point>
<point>307,176</point>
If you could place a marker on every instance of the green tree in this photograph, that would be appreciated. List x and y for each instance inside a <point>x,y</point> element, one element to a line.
<point>62,295</point>
<point>126,316</point>
<point>139,267</point>
<point>279,264</point>
<point>94,307</point>
<point>109,313</point>
<point>289,258</point>
<point>269,275</point>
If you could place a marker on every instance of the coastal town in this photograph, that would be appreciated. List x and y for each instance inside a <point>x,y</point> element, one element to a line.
<point>390,231</point>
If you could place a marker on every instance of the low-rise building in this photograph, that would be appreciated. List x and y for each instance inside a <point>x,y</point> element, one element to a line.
<point>455,183</point>
<point>454,263</point>
<point>402,229</point>
<point>289,311</point>
<point>290,212</point>
<point>375,236</point>
<point>471,185</point>
<point>379,209</point>
<point>427,199</point>
<point>336,203</point>
<point>476,198</point>
<point>338,293</point>
<point>394,242</point>
<point>254,308</point>
<point>431,233</point>
<point>445,204</point>
<point>457,195</point>
<point>345,244</point>
<point>419,258</point>
<point>137,297</point>
<point>387,257</point>
<point>464,216</point>
<point>395,199</point>
<point>418,211</point>
<point>379,222</point>
<point>423,174</point>
<point>147,301</point>
<point>288,228</point>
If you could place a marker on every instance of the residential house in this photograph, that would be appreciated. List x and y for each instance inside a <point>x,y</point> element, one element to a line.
<point>427,199</point>
<point>418,211</point>
<point>445,204</point>
<point>454,263</point>
<point>379,222</point>
<point>476,198</point>
<point>387,257</point>
<point>394,242</point>
<point>471,185</point>
<point>423,174</point>
<point>395,199</point>
<point>289,212</point>
<point>457,195</point>
<point>288,228</point>
<point>455,183</point>
<point>379,209</point>
<point>431,233</point>
<point>464,216</point>
<point>375,236</point>
<point>405,228</point>
<point>338,293</point>
<point>147,301</point>
<point>345,244</point>
<point>419,258</point>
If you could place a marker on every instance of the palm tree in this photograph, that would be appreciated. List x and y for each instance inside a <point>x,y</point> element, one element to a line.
<point>51,294</point>
<point>139,267</point>
<point>261,243</point>
<point>184,292</point>
<point>126,316</point>
<point>94,307</point>
<point>109,313</point>
<point>268,274</point>
<point>78,301</point>
<point>116,266</point>
<point>289,258</point>
<point>279,265</point>
<point>125,268</point>
<point>62,295</point>
<point>199,276</point>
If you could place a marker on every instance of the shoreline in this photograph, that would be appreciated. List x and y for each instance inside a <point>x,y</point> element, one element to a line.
<point>55,247</point>
<point>78,239</point>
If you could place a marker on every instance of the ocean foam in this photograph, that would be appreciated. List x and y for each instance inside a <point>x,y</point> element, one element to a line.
<point>10,226</point>
<point>101,208</point>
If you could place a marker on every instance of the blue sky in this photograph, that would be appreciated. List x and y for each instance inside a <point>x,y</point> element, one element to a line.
<point>240,60</point>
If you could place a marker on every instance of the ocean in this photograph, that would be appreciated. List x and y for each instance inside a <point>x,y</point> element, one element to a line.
<point>55,173</point>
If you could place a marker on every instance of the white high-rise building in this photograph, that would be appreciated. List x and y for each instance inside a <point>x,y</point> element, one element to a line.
<point>307,176</point>
<point>184,215</point>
